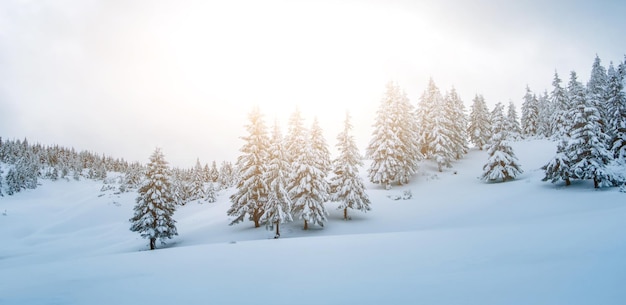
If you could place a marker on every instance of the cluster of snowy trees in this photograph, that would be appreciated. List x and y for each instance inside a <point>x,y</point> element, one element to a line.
<point>589,123</point>
<point>25,164</point>
<point>439,130</point>
<point>282,178</point>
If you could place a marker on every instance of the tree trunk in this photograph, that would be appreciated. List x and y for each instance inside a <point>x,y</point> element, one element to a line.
<point>152,243</point>
<point>595,182</point>
<point>345,213</point>
<point>567,181</point>
<point>306,225</point>
<point>256,217</point>
<point>277,230</point>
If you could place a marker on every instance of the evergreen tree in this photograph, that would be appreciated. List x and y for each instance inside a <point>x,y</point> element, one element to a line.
<point>530,114</point>
<point>544,113</point>
<point>429,114</point>
<point>440,136</point>
<point>214,174</point>
<point>251,194</point>
<point>155,203</point>
<point>479,129</point>
<point>512,124</point>
<point>616,100</point>
<point>196,185</point>
<point>211,194</point>
<point>1,195</point>
<point>456,114</point>
<point>560,107</point>
<point>559,167</point>
<point>278,206</point>
<point>307,189</point>
<point>346,185</point>
<point>320,148</point>
<point>587,150</point>
<point>596,89</point>
<point>295,139</point>
<point>227,175</point>
<point>502,163</point>
<point>393,147</point>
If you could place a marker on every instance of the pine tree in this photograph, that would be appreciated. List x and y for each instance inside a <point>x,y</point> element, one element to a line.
<point>1,194</point>
<point>544,113</point>
<point>214,174</point>
<point>455,110</point>
<point>155,203</point>
<point>295,139</point>
<point>479,129</point>
<point>587,150</point>
<point>251,194</point>
<point>393,147</point>
<point>429,115</point>
<point>278,207</point>
<point>559,167</point>
<point>596,89</point>
<point>227,175</point>
<point>502,163</point>
<point>346,185</point>
<point>211,194</point>
<point>440,137</point>
<point>530,114</point>
<point>616,100</point>
<point>320,148</point>
<point>512,124</point>
<point>196,185</point>
<point>560,107</point>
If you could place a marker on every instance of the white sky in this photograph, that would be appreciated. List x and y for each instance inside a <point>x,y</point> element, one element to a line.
<point>122,77</point>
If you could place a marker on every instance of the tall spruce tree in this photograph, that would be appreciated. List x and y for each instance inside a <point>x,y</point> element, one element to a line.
<point>456,114</point>
<point>558,168</point>
<point>596,89</point>
<point>544,112</point>
<point>278,207</point>
<point>502,163</point>
<point>616,100</point>
<point>479,129</point>
<point>155,203</point>
<point>587,149</point>
<point>320,147</point>
<point>512,124</point>
<point>196,185</point>
<point>393,148</point>
<point>530,114</point>
<point>346,185</point>
<point>307,187</point>
<point>560,107</point>
<point>252,188</point>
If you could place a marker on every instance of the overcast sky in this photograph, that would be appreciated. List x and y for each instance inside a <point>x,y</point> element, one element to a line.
<point>123,77</point>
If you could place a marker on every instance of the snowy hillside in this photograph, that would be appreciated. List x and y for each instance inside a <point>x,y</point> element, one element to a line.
<point>458,240</point>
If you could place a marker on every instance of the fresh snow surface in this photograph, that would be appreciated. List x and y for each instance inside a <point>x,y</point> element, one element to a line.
<point>457,241</point>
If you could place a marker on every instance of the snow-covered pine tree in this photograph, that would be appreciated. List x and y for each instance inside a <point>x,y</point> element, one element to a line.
<point>196,185</point>
<point>560,108</point>
<point>502,163</point>
<point>587,149</point>
<point>295,138</point>
<point>278,207</point>
<point>214,174</point>
<point>155,203</point>
<point>558,168</point>
<point>456,114</point>
<point>251,194</point>
<point>426,114</point>
<point>440,136</point>
<point>479,129</point>
<point>211,194</point>
<point>393,148</point>
<point>512,124</point>
<point>307,188</point>
<point>596,89</point>
<point>530,114</point>
<point>616,100</point>
<point>1,178</point>
<point>346,185</point>
<point>320,147</point>
<point>227,175</point>
<point>544,111</point>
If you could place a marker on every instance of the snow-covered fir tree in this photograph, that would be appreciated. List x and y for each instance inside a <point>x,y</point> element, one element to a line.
<point>296,136</point>
<point>587,150</point>
<point>530,114</point>
<point>558,168</point>
<point>544,112</point>
<point>560,107</point>
<point>155,203</point>
<point>211,193</point>
<point>440,139</point>
<point>320,147</point>
<point>393,148</point>
<point>456,114</point>
<point>502,164</point>
<point>479,129</point>
<point>278,207</point>
<point>308,188</point>
<point>429,114</point>
<point>596,89</point>
<point>214,174</point>
<point>251,194</point>
<point>1,178</point>
<point>196,185</point>
<point>346,185</point>
<point>616,100</point>
<point>512,123</point>
<point>227,175</point>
